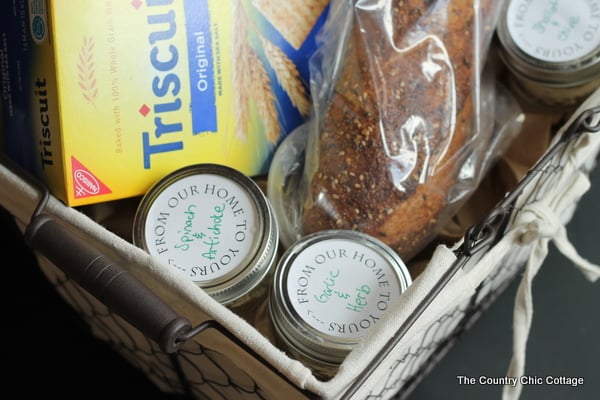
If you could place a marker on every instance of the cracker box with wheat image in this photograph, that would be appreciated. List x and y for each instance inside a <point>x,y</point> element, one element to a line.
<point>101,98</point>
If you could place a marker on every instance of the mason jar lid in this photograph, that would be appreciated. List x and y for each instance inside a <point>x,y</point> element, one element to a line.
<point>556,42</point>
<point>330,288</point>
<point>212,223</point>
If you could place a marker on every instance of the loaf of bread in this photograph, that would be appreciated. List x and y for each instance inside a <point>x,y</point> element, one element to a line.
<point>390,143</point>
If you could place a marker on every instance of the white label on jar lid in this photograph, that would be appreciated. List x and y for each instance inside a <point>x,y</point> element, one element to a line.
<point>342,288</point>
<point>555,30</point>
<point>205,225</point>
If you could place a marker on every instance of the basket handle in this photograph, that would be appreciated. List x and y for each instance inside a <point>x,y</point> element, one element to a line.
<point>121,292</point>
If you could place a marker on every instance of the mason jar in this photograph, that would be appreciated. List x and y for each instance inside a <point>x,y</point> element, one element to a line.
<point>329,290</point>
<point>214,225</point>
<point>551,50</point>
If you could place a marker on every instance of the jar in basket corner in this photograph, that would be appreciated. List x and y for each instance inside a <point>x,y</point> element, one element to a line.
<point>329,289</point>
<point>216,226</point>
<point>551,50</point>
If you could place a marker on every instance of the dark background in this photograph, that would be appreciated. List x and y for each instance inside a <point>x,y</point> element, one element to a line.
<point>565,331</point>
<point>48,351</point>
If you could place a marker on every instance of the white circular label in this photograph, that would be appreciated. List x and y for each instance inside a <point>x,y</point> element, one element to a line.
<point>555,30</point>
<point>204,225</point>
<point>341,287</point>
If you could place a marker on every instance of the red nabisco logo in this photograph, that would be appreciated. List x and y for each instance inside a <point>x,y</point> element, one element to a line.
<point>86,184</point>
<point>86,181</point>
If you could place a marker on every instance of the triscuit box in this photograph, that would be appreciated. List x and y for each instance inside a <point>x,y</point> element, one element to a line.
<point>103,98</point>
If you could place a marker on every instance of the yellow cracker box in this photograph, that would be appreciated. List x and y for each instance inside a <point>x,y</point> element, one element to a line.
<point>103,98</point>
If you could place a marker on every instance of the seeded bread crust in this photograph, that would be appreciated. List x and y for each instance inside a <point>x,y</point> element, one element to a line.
<point>385,159</point>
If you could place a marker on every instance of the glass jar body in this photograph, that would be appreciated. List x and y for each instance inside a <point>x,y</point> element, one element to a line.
<point>551,51</point>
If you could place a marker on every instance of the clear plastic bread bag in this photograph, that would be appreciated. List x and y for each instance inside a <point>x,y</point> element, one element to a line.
<point>408,115</point>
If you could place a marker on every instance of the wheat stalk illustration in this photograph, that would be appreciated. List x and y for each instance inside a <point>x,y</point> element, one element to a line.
<point>264,98</point>
<point>288,76</point>
<point>251,81</point>
<point>251,77</point>
<point>86,67</point>
<point>241,70</point>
